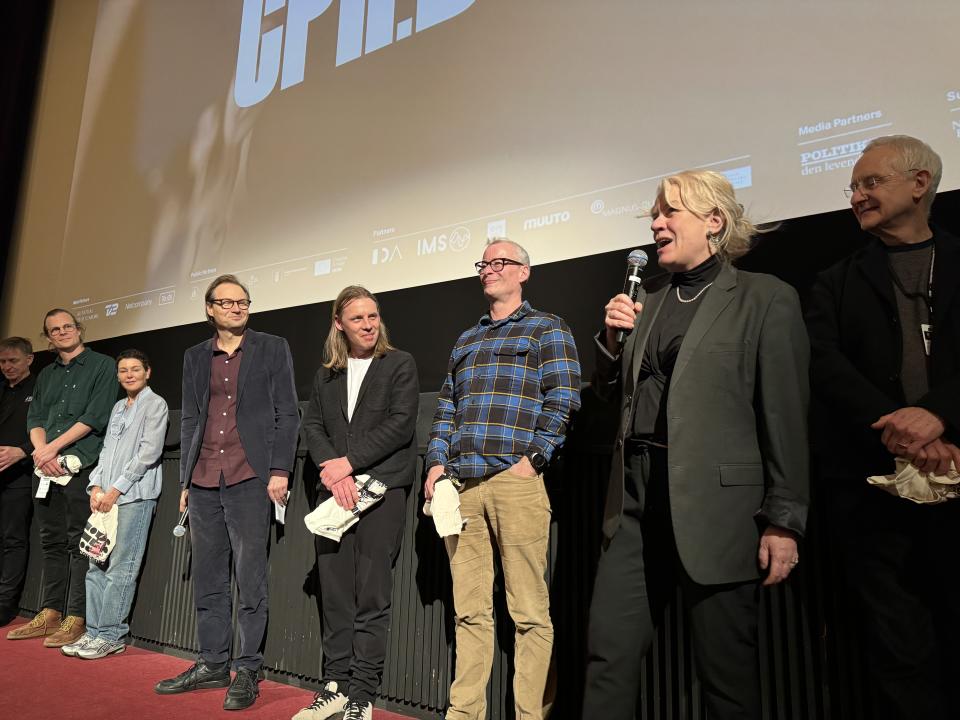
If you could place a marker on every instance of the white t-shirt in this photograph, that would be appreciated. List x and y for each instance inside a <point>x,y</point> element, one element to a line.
<point>356,371</point>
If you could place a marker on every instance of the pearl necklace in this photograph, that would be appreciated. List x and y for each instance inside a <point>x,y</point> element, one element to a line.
<point>702,291</point>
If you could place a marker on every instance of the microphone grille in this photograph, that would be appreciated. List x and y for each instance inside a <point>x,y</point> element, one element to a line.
<point>637,257</point>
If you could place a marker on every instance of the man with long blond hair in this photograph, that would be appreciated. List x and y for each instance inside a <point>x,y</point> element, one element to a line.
<point>361,419</point>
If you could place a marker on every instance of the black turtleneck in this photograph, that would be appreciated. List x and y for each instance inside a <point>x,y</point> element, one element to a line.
<point>663,346</point>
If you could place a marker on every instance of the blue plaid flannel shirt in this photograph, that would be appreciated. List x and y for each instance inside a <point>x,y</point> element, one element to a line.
<point>510,389</point>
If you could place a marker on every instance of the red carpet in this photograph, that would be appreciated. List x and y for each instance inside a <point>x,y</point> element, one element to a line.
<point>40,684</point>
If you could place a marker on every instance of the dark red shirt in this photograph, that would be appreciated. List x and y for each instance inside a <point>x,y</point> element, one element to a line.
<point>221,451</point>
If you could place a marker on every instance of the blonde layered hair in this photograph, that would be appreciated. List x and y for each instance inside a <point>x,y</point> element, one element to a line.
<point>336,349</point>
<point>704,192</point>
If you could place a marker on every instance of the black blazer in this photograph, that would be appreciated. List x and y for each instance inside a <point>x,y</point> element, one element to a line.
<point>380,438</point>
<point>736,421</point>
<point>267,417</point>
<point>855,368</point>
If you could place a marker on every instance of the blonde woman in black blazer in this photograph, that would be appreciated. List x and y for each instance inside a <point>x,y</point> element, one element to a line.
<point>708,488</point>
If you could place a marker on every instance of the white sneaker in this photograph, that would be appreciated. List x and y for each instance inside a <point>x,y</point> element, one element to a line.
<point>356,710</point>
<point>326,703</point>
<point>73,648</point>
<point>100,648</point>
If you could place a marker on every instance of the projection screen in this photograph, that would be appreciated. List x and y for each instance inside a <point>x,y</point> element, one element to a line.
<point>309,144</point>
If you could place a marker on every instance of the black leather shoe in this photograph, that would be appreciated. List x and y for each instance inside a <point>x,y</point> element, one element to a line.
<point>8,615</point>
<point>243,690</point>
<point>197,677</point>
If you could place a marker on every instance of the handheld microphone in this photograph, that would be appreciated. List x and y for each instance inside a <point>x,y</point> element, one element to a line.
<point>179,530</point>
<point>636,262</point>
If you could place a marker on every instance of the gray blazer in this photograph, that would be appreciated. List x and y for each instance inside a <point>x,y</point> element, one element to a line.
<point>267,417</point>
<point>380,438</point>
<point>736,421</point>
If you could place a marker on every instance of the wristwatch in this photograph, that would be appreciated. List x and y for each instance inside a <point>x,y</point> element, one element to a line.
<point>538,460</point>
<point>452,478</point>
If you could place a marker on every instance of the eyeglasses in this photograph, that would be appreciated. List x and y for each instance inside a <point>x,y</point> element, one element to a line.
<point>228,304</point>
<point>497,264</point>
<point>62,329</point>
<point>871,182</point>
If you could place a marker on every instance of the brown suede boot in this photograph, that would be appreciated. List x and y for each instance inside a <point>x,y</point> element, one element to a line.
<point>47,622</point>
<point>70,631</point>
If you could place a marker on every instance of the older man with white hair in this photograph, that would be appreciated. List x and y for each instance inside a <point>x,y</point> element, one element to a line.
<point>884,325</point>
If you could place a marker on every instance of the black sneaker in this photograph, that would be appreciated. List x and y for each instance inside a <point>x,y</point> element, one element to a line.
<point>196,677</point>
<point>243,690</point>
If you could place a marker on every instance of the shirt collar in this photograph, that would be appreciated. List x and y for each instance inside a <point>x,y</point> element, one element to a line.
<point>517,314</point>
<point>21,384</point>
<point>81,358</point>
<point>143,393</point>
<point>215,344</point>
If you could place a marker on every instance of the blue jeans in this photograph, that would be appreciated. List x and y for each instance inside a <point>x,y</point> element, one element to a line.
<point>111,584</point>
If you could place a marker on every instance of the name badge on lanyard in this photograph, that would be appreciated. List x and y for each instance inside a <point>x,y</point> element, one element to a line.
<point>926,329</point>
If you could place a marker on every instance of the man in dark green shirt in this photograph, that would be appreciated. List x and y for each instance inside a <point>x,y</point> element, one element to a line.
<point>71,407</point>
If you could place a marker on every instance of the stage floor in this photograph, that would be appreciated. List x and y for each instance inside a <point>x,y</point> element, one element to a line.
<point>40,683</point>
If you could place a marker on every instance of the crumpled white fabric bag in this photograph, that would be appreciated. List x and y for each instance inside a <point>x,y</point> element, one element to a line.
<point>71,465</point>
<point>329,520</point>
<point>444,508</point>
<point>922,488</point>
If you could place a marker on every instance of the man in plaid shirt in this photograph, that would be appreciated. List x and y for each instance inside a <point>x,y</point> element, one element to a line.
<point>512,382</point>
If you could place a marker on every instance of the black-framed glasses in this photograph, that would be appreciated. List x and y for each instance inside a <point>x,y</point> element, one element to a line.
<point>227,304</point>
<point>873,181</point>
<point>62,329</point>
<point>497,264</point>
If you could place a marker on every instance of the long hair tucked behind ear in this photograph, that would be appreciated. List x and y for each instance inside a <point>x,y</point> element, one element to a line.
<point>336,349</point>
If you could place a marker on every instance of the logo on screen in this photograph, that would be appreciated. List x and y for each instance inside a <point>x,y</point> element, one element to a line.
<point>497,228</point>
<point>282,50</point>
<point>546,220</point>
<point>383,255</point>
<point>111,309</point>
<point>458,241</point>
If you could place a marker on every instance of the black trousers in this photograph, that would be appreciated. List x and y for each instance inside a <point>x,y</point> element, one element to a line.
<point>638,575</point>
<point>16,509</point>
<point>230,525</point>
<point>900,566</point>
<point>356,584</point>
<point>62,515</point>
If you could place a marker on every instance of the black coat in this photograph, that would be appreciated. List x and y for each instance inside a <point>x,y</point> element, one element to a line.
<point>856,343</point>
<point>267,416</point>
<point>380,439</point>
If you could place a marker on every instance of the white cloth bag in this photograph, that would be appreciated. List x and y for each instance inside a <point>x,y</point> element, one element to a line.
<point>329,520</point>
<point>922,488</point>
<point>100,534</point>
